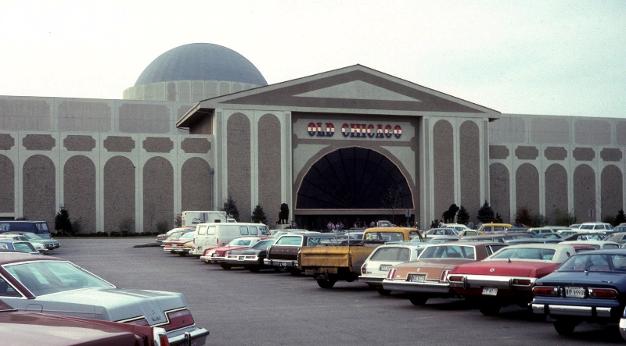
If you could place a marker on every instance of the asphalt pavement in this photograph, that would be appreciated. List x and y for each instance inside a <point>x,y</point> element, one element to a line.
<point>268,308</point>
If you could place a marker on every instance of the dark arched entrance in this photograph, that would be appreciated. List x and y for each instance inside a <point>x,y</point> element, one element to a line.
<point>352,185</point>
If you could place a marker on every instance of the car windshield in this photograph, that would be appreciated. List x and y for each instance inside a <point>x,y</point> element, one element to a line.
<point>240,242</point>
<point>595,263</point>
<point>188,235</point>
<point>24,247</point>
<point>448,251</point>
<point>29,236</point>
<point>586,227</point>
<point>46,277</point>
<point>530,253</point>
<point>263,244</point>
<point>396,254</point>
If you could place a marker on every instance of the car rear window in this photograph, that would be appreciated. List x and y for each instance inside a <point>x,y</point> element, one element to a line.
<point>448,251</point>
<point>289,240</point>
<point>383,236</point>
<point>595,263</point>
<point>397,254</point>
<point>525,253</point>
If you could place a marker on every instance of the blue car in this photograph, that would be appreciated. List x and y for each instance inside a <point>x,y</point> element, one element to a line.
<point>588,287</point>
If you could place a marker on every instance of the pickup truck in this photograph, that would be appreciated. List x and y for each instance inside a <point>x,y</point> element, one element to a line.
<point>283,255</point>
<point>328,264</point>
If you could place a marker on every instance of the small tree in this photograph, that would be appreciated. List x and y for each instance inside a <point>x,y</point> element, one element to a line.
<point>62,222</point>
<point>563,218</point>
<point>523,217</point>
<point>448,215</point>
<point>498,218</point>
<point>620,218</point>
<point>258,215</point>
<point>178,220</point>
<point>462,216</point>
<point>231,208</point>
<point>485,213</point>
<point>283,215</point>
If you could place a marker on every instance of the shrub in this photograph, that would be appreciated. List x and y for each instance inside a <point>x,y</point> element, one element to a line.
<point>563,218</point>
<point>462,216</point>
<point>162,226</point>
<point>523,217</point>
<point>258,215</point>
<point>485,213</point>
<point>231,208</point>
<point>126,225</point>
<point>620,218</point>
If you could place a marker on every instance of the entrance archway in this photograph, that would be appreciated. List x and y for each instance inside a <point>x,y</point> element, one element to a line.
<point>352,185</point>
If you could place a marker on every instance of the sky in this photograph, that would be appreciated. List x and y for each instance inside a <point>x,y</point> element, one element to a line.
<point>525,57</point>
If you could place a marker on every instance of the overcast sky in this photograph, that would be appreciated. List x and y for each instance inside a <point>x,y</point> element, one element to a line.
<point>532,57</point>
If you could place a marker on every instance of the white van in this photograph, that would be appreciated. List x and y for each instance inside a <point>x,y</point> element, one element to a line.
<point>212,235</point>
<point>194,217</point>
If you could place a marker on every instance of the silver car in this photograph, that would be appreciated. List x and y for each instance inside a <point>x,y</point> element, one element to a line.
<point>48,284</point>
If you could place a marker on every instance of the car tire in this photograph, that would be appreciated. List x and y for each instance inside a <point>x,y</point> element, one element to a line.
<point>418,299</point>
<point>489,308</point>
<point>225,266</point>
<point>326,283</point>
<point>565,327</point>
<point>383,292</point>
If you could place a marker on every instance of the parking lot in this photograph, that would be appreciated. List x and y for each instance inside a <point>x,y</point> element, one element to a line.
<point>268,308</point>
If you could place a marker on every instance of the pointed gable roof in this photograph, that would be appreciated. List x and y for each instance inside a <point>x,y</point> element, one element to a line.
<point>354,87</point>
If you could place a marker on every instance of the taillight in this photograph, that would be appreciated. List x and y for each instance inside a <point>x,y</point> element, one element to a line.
<point>545,291</point>
<point>363,268</point>
<point>178,319</point>
<point>604,293</point>
<point>456,278</point>
<point>392,273</point>
<point>521,282</point>
<point>444,275</point>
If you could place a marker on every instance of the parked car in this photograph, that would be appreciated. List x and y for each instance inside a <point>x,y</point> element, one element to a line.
<point>494,227</point>
<point>565,233</point>
<point>250,258</point>
<point>212,235</point>
<point>541,231</point>
<point>620,228</point>
<point>618,237</point>
<point>589,287</point>
<point>442,231</point>
<point>218,255</point>
<point>7,244</point>
<point>427,277</point>
<point>46,243</point>
<point>284,253</point>
<point>161,237</point>
<point>596,226</point>
<point>56,285</point>
<point>533,241</point>
<point>27,328</point>
<point>596,244</point>
<point>600,235</point>
<point>383,258</point>
<point>38,227</point>
<point>459,227</point>
<point>175,244</point>
<point>507,276</point>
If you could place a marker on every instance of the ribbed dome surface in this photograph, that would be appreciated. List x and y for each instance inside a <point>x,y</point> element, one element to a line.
<point>201,61</point>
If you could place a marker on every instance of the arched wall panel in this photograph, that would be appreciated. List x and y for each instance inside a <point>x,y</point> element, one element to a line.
<point>443,145</point>
<point>39,192</point>
<point>470,167</point>
<point>158,194</point>
<point>79,193</point>
<point>611,182</point>
<point>499,190</point>
<point>269,166</point>
<point>527,188</point>
<point>239,171</point>
<point>556,192</point>
<point>585,194</point>
<point>197,185</point>
<point>7,192</point>
<point>119,195</point>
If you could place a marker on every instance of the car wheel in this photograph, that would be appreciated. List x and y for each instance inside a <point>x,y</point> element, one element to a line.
<point>565,327</point>
<point>418,299</point>
<point>383,292</point>
<point>489,308</point>
<point>326,283</point>
<point>225,266</point>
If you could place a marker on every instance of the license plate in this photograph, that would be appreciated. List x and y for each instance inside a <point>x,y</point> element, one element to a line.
<point>490,291</point>
<point>384,267</point>
<point>575,292</point>
<point>416,278</point>
<point>241,258</point>
<point>282,264</point>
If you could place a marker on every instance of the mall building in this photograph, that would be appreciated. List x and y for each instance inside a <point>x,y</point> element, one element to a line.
<point>201,125</point>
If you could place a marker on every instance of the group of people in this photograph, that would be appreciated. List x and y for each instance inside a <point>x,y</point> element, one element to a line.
<point>331,226</point>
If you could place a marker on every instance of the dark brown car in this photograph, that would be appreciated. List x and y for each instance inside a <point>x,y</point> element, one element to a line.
<point>284,253</point>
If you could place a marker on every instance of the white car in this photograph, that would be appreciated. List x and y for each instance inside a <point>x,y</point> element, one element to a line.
<point>595,226</point>
<point>597,244</point>
<point>374,269</point>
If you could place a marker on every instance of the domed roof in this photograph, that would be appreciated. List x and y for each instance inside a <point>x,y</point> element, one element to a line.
<point>201,61</point>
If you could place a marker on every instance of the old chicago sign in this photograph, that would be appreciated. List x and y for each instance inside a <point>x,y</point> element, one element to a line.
<point>362,130</point>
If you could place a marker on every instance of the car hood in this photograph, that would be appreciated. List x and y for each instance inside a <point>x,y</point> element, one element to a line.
<point>584,278</point>
<point>506,268</point>
<point>113,304</point>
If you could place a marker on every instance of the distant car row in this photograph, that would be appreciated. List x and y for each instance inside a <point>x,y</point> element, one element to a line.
<point>569,281</point>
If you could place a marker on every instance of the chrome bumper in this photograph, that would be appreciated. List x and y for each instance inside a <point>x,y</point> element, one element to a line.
<point>572,310</point>
<point>195,337</point>
<point>477,281</point>
<point>371,279</point>
<point>280,263</point>
<point>417,287</point>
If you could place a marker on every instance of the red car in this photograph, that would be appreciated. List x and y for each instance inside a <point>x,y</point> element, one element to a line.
<point>507,276</point>
<point>218,255</point>
<point>31,328</point>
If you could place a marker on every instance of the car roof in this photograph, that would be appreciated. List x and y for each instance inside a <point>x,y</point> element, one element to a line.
<point>13,257</point>
<point>539,246</point>
<point>618,251</point>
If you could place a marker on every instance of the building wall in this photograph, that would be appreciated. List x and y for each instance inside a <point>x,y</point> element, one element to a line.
<point>99,159</point>
<point>558,165</point>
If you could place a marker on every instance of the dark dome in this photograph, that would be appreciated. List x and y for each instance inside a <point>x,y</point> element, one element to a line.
<point>201,61</point>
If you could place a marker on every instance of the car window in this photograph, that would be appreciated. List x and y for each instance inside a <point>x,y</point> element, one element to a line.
<point>4,246</point>
<point>289,240</point>
<point>6,290</point>
<point>611,246</point>
<point>243,230</point>
<point>252,230</point>
<point>23,247</point>
<point>595,262</point>
<point>263,244</point>
<point>448,251</point>
<point>45,277</point>
<point>397,254</point>
<point>264,230</point>
<point>586,227</point>
<point>494,248</point>
<point>383,236</point>
<point>202,230</point>
<point>525,253</point>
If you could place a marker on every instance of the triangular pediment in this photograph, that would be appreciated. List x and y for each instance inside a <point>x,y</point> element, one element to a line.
<point>351,89</point>
<point>357,90</point>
